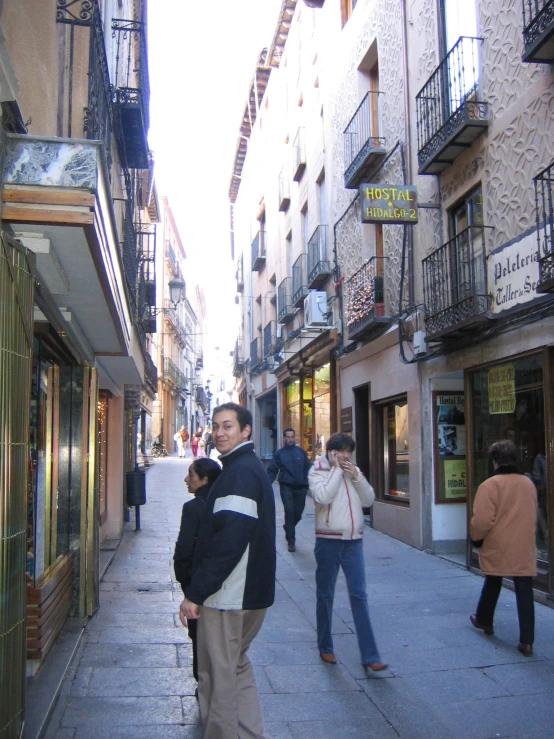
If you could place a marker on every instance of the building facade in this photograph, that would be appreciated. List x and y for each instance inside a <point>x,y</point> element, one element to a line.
<point>78,213</point>
<point>426,152</point>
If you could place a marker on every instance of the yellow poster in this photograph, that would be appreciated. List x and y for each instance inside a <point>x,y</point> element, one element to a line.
<point>454,478</point>
<point>502,389</point>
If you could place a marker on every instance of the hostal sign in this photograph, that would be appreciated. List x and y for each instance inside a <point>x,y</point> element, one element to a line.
<point>388,203</point>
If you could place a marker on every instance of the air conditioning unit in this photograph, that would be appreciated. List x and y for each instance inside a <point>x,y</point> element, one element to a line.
<point>315,308</point>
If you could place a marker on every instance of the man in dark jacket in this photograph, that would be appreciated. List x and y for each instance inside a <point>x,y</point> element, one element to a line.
<point>292,465</point>
<point>233,579</point>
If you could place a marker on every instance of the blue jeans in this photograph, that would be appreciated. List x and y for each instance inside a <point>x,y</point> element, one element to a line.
<point>349,555</point>
<point>294,500</point>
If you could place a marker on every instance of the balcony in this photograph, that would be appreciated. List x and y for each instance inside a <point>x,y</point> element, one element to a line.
<point>258,252</point>
<point>455,286</point>
<point>270,335</point>
<point>299,155</point>
<point>285,310</point>
<point>544,199</point>
<point>450,115</point>
<point>240,274</point>
<point>200,396</point>
<point>255,356</point>
<point>284,189</point>
<point>131,92</point>
<point>365,307</point>
<point>150,373</point>
<point>364,149</point>
<point>538,31</point>
<point>200,360</point>
<point>172,373</point>
<point>238,359</point>
<point>319,267</point>
<point>171,259</point>
<point>299,281</point>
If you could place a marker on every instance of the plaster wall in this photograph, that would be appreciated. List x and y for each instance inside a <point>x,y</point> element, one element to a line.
<point>113,527</point>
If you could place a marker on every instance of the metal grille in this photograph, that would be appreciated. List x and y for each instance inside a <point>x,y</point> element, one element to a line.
<point>285,310</point>
<point>455,281</point>
<point>131,80</point>
<point>97,122</point>
<point>363,292</point>
<point>299,284</point>
<point>537,16</point>
<point>258,251</point>
<point>16,346</point>
<point>317,254</point>
<point>362,132</point>
<point>270,332</point>
<point>544,200</point>
<point>454,82</point>
<point>254,354</point>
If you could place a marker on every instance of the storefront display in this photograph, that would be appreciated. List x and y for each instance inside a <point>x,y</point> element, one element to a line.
<point>450,447</point>
<point>508,403</point>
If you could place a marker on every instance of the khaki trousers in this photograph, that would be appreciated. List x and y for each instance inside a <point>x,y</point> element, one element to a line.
<point>227,693</point>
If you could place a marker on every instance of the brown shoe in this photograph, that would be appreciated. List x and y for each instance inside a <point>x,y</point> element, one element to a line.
<point>329,658</point>
<point>489,631</point>
<point>376,666</point>
<point>525,649</point>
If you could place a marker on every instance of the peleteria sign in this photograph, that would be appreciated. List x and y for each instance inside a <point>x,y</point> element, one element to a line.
<point>388,203</point>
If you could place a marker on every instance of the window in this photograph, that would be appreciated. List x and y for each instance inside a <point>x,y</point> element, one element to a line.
<point>508,402</point>
<point>394,453</point>
<point>465,225</point>
<point>459,18</point>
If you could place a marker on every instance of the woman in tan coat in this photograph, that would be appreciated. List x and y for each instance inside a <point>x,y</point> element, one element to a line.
<point>504,526</point>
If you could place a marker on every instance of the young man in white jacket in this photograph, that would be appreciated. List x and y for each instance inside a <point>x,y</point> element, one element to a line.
<point>339,491</point>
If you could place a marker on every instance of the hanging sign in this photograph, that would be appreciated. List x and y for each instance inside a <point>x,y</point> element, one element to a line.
<point>388,203</point>
<point>502,389</point>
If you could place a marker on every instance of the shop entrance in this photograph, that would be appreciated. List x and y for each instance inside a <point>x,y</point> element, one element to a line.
<point>308,409</point>
<point>508,401</point>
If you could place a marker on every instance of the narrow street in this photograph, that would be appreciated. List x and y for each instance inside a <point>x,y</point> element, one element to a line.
<point>132,674</point>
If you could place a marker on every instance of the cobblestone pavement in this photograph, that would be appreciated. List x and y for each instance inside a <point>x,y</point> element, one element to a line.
<point>132,674</point>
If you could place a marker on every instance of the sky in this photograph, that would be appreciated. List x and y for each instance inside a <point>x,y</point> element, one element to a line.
<point>201,59</point>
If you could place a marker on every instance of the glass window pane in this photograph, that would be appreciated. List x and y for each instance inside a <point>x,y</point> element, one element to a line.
<point>397,453</point>
<point>508,403</point>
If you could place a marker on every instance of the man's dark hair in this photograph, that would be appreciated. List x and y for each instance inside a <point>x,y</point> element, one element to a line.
<point>504,452</point>
<point>205,467</point>
<point>243,414</point>
<point>340,443</point>
<point>287,430</point>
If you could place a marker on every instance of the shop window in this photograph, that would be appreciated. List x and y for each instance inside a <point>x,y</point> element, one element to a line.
<point>322,408</point>
<point>508,403</point>
<point>102,441</point>
<point>394,452</point>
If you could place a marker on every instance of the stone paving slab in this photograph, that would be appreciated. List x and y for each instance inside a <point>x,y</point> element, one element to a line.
<point>132,676</point>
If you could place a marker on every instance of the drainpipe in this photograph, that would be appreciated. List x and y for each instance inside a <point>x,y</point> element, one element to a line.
<point>407,141</point>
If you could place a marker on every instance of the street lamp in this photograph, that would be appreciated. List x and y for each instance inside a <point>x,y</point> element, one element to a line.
<point>176,290</point>
<point>176,296</point>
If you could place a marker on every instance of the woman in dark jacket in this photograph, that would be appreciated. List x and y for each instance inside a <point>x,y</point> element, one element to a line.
<point>200,478</point>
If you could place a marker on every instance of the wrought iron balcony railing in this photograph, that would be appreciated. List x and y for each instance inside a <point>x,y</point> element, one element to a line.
<point>455,285</point>
<point>98,115</point>
<point>255,355</point>
<point>450,114</point>
<point>270,334</point>
<point>285,310</point>
<point>538,31</point>
<point>299,281</point>
<point>240,274</point>
<point>258,251</point>
<point>171,258</point>
<point>131,91</point>
<point>284,188</point>
<point>150,372</point>
<point>238,359</point>
<point>364,148</point>
<point>299,155</point>
<point>172,372</point>
<point>319,266</point>
<point>544,201</point>
<point>365,307</point>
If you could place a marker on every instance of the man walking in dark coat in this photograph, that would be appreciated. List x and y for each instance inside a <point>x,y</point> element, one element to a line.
<point>291,464</point>
<point>233,579</point>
